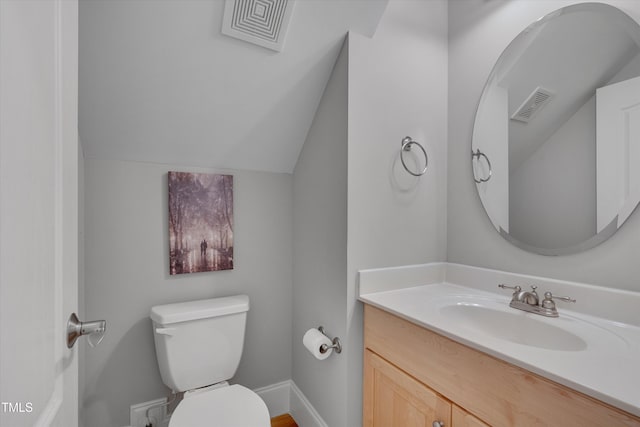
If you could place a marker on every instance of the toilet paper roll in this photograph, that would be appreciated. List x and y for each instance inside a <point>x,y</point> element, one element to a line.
<point>313,339</point>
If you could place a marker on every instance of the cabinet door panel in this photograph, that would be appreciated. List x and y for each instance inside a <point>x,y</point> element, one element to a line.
<point>395,399</point>
<point>461,418</point>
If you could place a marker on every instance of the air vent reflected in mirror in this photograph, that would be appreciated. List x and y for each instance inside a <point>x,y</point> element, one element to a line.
<point>534,103</point>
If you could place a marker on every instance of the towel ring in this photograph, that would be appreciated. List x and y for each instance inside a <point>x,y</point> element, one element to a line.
<point>407,142</point>
<point>477,154</point>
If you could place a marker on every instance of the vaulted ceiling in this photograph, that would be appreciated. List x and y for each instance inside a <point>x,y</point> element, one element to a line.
<point>160,83</point>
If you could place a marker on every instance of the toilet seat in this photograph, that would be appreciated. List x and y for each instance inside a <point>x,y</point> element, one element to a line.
<point>232,406</point>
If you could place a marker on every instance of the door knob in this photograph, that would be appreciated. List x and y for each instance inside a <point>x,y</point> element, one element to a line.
<point>95,330</point>
<point>438,424</point>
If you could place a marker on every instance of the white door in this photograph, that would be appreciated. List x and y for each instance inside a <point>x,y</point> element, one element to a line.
<point>38,211</point>
<point>618,151</point>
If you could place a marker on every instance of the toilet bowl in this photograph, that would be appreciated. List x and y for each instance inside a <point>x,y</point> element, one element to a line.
<point>198,347</point>
<point>229,406</point>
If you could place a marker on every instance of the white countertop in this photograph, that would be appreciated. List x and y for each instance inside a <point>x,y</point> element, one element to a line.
<point>602,361</point>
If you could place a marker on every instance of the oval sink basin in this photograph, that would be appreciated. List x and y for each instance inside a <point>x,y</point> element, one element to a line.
<point>513,326</point>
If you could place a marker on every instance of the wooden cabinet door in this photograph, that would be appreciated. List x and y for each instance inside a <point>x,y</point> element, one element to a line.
<point>461,418</point>
<point>392,398</point>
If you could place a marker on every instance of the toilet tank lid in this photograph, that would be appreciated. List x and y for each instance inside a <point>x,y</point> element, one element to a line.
<point>200,309</point>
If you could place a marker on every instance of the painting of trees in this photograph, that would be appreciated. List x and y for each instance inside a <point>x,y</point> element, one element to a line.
<point>200,222</point>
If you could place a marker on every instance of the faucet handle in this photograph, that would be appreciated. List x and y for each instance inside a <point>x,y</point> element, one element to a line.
<point>515,288</point>
<point>548,297</point>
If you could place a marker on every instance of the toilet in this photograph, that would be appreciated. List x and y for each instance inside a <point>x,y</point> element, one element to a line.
<point>198,346</point>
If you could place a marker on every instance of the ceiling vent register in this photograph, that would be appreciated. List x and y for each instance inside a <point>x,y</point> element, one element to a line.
<point>261,22</point>
<point>534,103</point>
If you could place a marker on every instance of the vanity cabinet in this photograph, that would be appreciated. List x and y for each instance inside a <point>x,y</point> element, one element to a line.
<point>461,418</point>
<point>395,398</point>
<point>413,377</point>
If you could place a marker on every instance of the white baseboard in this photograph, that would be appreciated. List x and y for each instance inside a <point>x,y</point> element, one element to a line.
<point>286,397</point>
<point>302,411</point>
<point>277,397</point>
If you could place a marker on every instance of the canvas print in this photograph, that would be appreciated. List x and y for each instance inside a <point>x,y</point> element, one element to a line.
<point>200,222</point>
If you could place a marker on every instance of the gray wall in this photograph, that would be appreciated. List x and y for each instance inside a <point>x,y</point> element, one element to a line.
<point>478,32</point>
<point>397,87</point>
<point>552,194</point>
<point>367,211</point>
<point>320,247</point>
<point>126,244</point>
<point>351,206</point>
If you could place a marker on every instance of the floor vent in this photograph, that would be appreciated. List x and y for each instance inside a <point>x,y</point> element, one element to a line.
<point>261,22</point>
<point>534,103</point>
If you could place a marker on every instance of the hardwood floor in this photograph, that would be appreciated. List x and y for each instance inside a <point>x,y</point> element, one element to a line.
<point>283,421</point>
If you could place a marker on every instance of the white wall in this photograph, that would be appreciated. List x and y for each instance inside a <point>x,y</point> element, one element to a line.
<point>126,243</point>
<point>320,247</point>
<point>478,32</point>
<point>397,87</point>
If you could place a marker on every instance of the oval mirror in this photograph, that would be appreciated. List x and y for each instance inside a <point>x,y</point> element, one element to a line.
<point>556,140</point>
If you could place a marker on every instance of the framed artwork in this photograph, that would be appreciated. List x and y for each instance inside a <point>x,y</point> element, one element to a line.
<point>200,222</point>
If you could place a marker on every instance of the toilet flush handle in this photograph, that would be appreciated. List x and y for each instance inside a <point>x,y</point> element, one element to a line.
<point>165,331</point>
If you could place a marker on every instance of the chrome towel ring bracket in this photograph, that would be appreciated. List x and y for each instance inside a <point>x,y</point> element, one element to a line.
<point>407,142</point>
<point>477,156</point>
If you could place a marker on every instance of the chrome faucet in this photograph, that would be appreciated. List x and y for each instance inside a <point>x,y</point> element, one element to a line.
<point>530,302</point>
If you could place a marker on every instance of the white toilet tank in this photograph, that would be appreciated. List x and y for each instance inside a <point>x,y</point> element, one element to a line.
<point>199,343</point>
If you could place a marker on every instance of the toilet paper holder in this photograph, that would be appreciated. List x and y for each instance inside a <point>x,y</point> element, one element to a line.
<point>337,345</point>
